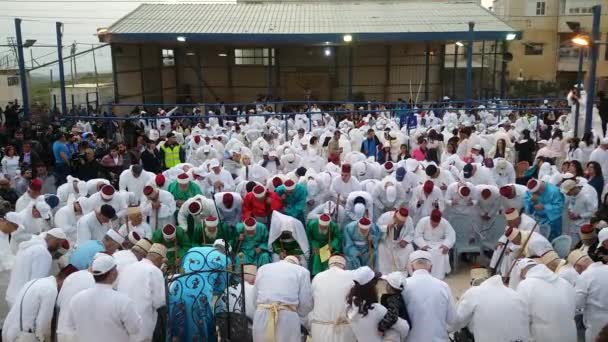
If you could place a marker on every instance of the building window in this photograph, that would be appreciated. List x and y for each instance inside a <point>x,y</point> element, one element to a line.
<point>13,81</point>
<point>168,57</point>
<point>574,10</point>
<point>257,56</point>
<point>540,8</point>
<point>533,49</point>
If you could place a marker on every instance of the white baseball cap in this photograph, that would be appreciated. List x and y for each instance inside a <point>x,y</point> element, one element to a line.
<point>102,264</point>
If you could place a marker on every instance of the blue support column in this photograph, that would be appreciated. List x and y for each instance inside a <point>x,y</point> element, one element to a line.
<point>469,75</point>
<point>350,72</point>
<point>579,80</point>
<point>59,29</point>
<point>22,74</point>
<point>595,37</point>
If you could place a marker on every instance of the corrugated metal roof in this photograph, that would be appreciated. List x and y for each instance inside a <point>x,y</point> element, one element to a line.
<point>307,18</point>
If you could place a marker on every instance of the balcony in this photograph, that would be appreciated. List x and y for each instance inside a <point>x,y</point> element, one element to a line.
<point>568,59</point>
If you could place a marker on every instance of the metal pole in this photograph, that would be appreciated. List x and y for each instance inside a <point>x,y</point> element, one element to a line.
<point>494,69</point>
<point>32,57</point>
<point>59,29</point>
<point>469,75</point>
<point>503,72</point>
<point>427,62</point>
<point>595,36</point>
<point>579,80</point>
<point>96,79</point>
<point>350,73</point>
<point>455,69</point>
<point>22,73</point>
<point>269,75</point>
<point>483,51</point>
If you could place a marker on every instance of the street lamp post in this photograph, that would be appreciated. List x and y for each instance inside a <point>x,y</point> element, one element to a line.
<point>595,37</point>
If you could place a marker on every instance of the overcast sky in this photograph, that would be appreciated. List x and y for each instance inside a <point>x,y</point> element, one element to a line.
<point>81,18</point>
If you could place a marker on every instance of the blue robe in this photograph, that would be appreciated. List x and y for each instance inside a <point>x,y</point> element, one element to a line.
<point>82,257</point>
<point>295,203</point>
<point>355,243</point>
<point>553,202</point>
<point>191,295</point>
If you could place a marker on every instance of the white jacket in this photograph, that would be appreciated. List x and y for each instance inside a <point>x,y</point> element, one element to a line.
<point>494,312</point>
<point>129,183</point>
<point>551,305</point>
<point>33,261</point>
<point>592,298</point>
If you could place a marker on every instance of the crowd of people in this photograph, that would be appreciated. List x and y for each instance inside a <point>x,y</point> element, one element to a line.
<point>344,228</point>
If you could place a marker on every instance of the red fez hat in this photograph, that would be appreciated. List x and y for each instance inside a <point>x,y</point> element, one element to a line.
<point>289,185</point>
<point>464,191</point>
<point>428,187</point>
<point>36,185</point>
<point>587,231</point>
<point>402,213</point>
<point>197,139</point>
<point>169,231</point>
<point>211,221</point>
<point>389,166</point>
<point>160,179</point>
<point>507,191</point>
<point>346,168</point>
<point>107,192</point>
<point>183,178</point>
<point>276,182</point>
<point>148,190</point>
<point>436,215</point>
<point>364,223</point>
<point>533,185</point>
<point>250,223</point>
<point>195,208</point>
<point>228,200</point>
<point>324,220</point>
<point>259,191</point>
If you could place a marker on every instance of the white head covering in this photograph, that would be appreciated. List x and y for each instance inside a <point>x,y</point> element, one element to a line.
<point>359,209</point>
<point>395,280</point>
<point>102,264</point>
<point>363,275</point>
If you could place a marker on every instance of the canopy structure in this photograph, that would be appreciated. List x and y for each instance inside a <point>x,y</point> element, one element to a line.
<point>306,22</point>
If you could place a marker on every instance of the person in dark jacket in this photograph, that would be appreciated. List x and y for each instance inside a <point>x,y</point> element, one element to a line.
<point>7,193</point>
<point>603,110</point>
<point>525,148</point>
<point>393,301</point>
<point>371,144</point>
<point>151,158</point>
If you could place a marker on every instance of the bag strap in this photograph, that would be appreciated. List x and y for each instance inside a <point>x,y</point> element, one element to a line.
<point>21,306</point>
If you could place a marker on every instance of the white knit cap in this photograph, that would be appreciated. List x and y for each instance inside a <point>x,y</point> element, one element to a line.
<point>395,280</point>
<point>602,236</point>
<point>57,233</point>
<point>112,234</point>
<point>363,275</point>
<point>102,264</point>
<point>420,254</point>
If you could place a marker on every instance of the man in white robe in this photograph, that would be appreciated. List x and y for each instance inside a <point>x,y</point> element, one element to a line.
<point>551,302</point>
<point>504,172</point>
<point>341,187</point>
<point>230,206</point>
<point>328,319</point>
<point>429,301</point>
<point>442,178</point>
<point>514,219</point>
<point>591,293</point>
<point>358,205</point>
<point>74,188</point>
<point>73,284</point>
<point>289,235</point>
<point>219,179</point>
<point>205,208</point>
<point>581,203</point>
<point>512,196</point>
<point>600,155</point>
<point>121,321</point>
<point>426,198</point>
<point>34,260</point>
<point>33,192</point>
<point>493,312</point>
<point>461,199</point>
<point>477,174</point>
<point>386,196</point>
<point>396,245</point>
<point>33,309</point>
<point>34,219</point>
<point>94,225</point>
<point>436,235</point>
<point>283,297</point>
<point>144,283</point>
<point>134,179</point>
<point>158,206</point>
<point>107,195</point>
<point>67,218</point>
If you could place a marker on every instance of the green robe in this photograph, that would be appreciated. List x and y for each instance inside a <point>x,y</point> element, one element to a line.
<point>295,201</point>
<point>180,195</point>
<point>200,237</point>
<point>317,240</point>
<point>183,245</point>
<point>290,246</point>
<point>250,243</point>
